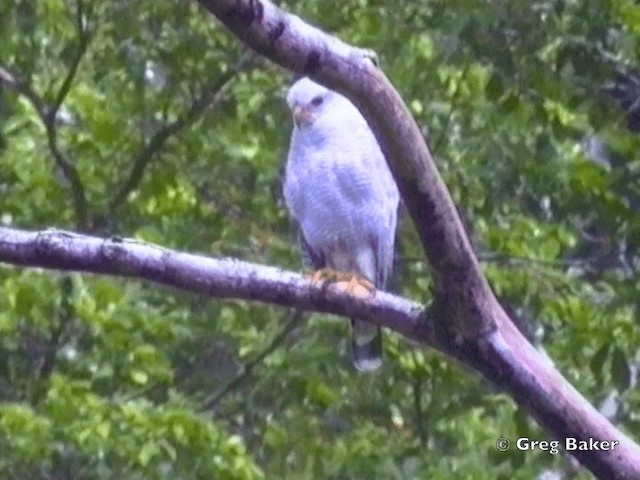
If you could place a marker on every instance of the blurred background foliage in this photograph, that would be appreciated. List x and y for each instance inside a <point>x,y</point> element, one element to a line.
<point>146,119</point>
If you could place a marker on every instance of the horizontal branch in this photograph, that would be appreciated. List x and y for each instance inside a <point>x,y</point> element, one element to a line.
<point>221,278</point>
<point>542,391</point>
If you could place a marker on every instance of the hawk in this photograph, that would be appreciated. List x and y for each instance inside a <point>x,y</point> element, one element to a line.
<point>341,193</point>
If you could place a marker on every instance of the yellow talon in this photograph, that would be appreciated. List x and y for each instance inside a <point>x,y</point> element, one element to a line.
<point>351,282</point>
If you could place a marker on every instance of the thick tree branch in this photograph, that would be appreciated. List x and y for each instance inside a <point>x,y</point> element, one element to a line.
<point>222,278</point>
<point>299,47</point>
<point>470,324</point>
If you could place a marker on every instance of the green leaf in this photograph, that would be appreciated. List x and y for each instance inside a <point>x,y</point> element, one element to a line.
<point>494,88</point>
<point>139,377</point>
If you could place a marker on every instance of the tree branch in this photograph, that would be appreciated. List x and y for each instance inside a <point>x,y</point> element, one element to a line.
<point>469,322</point>
<point>51,350</point>
<point>416,387</point>
<point>12,82</point>
<point>221,278</point>
<point>290,42</point>
<point>66,166</point>
<point>157,141</point>
<point>519,260</point>
<point>48,115</point>
<point>83,44</point>
<point>248,368</point>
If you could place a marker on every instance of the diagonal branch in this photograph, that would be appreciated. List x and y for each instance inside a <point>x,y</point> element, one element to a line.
<point>58,335</point>
<point>157,141</point>
<point>304,49</point>
<point>48,114</point>
<point>469,322</point>
<point>69,170</point>
<point>12,82</point>
<point>418,408</point>
<point>83,43</point>
<point>247,369</point>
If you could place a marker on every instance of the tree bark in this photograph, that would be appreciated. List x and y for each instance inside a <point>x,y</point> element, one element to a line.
<point>221,278</point>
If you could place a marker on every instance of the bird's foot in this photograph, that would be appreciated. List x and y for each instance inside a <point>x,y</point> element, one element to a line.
<point>352,283</point>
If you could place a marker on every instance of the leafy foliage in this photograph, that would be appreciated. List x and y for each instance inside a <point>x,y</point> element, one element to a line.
<point>178,136</point>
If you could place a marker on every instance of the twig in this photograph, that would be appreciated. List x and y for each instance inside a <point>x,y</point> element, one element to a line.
<point>48,114</point>
<point>417,406</point>
<point>195,111</point>
<point>68,169</point>
<point>515,260</point>
<point>63,317</point>
<point>519,260</point>
<point>444,131</point>
<point>83,44</point>
<point>248,368</point>
<point>11,81</point>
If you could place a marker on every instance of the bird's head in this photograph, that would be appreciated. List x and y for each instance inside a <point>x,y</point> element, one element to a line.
<point>308,101</point>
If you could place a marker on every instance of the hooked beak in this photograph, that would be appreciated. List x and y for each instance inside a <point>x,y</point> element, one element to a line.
<point>301,116</point>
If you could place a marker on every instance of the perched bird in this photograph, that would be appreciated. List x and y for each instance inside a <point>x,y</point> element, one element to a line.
<point>340,191</point>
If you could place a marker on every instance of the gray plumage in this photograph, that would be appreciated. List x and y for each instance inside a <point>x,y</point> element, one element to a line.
<point>341,193</point>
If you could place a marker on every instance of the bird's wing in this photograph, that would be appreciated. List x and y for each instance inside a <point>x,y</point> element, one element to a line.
<point>310,256</point>
<point>369,192</point>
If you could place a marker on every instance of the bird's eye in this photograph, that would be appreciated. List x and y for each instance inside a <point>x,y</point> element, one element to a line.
<point>317,101</point>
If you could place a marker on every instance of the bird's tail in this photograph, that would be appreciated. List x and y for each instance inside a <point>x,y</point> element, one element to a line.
<point>366,345</point>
